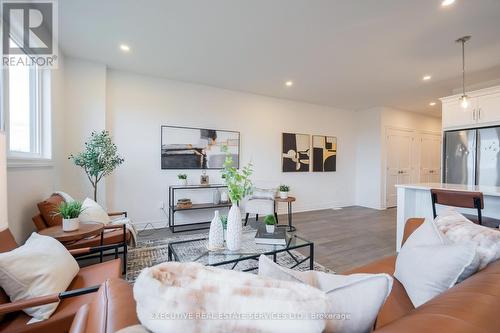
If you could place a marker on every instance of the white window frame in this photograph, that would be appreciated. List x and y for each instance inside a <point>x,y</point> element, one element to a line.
<point>40,121</point>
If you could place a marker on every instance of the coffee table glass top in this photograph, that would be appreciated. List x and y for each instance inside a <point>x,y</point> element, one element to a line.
<point>196,250</point>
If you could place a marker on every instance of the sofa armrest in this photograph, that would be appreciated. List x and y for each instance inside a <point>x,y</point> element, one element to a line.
<point>39,222</point>
<point>410,226</point>
<point>124,213</point>
<point>42,300</point>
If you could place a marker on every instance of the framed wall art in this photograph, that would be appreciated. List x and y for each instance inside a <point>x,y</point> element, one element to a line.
<point>295,152</point>
<point>197,148</point>
<point>324,153</point>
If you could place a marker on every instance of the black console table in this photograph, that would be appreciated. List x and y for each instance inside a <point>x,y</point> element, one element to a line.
<point>172,206</point>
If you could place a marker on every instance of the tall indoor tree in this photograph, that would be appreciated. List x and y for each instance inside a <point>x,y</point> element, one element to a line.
<point>99,159</point>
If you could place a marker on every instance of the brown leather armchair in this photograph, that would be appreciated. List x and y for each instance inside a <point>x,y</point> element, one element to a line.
<point>79,293</point>
<point>48,217</point>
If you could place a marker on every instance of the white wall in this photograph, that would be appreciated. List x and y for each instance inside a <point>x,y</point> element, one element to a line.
<point>85,111</point>
<point>138,105</point>
<point>368,162</point>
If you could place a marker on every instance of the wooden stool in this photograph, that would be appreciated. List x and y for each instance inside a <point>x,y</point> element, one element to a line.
<point>463,199</point>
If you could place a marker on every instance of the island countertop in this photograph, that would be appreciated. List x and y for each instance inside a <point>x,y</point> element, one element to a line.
<point>486,190</point>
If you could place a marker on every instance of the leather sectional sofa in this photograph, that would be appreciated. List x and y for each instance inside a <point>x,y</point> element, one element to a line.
<point>472,306</point>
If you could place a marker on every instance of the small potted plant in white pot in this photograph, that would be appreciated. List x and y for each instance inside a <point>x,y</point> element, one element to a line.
<point>284,189</point>
<point>69,212</point>
<point>183,179</point>
<point>270,222</point>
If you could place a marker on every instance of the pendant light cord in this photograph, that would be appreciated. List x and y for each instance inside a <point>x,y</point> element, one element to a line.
<point>463,67</point>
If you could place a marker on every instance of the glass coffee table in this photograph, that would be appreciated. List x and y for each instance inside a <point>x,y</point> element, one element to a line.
<point>195,250</point>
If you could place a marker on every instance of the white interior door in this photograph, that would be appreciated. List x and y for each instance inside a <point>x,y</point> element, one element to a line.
<point>430,158</point>
<point>399,160</point>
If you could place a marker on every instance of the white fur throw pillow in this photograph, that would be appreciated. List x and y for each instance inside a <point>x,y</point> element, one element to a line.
<point>189,297</point>
<point>354,301</point>
<point>93,212</point>
<point>459,230</point>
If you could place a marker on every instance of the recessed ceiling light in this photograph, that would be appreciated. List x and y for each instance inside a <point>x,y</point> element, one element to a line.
<point>426,77</point>
<point>432,103</point>
<point>124,48</point>
<point>289,83</point>
<point>446,3</point>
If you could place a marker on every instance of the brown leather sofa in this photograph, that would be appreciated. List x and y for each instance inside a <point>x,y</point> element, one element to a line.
<point>48,217</point>
<point>472,306</point>
<point>60,321</point>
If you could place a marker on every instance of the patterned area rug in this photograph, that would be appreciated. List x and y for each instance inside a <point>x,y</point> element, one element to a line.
<point>152,252</point>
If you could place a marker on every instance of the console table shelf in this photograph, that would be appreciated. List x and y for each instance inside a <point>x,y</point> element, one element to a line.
<point>198,206</point>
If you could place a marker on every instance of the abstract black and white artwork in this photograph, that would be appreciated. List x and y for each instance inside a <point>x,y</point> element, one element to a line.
<point>324,153</point>
<point>197,148</point>
<point>295,152</point>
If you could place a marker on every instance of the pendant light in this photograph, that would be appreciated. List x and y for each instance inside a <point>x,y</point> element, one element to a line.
<point>464,99</point>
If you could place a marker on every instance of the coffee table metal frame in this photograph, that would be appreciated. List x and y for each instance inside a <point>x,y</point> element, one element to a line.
<point>172,255</point>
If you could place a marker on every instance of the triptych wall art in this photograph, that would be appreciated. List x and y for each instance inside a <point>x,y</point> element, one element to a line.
<point>296,153</point>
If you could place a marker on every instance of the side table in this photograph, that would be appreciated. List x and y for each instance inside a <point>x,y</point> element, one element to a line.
<point>289,201</point>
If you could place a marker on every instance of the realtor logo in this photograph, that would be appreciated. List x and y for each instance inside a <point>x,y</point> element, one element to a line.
<point>29,32</point>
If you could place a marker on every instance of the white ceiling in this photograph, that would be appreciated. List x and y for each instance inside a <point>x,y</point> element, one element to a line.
<point>348,54</point>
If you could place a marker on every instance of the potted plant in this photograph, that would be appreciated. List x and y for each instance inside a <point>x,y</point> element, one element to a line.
<point>270,222</point>
<point>69,212</point>
<point>183,179</point>
<point>99,159</point>
<point>238,185</point>
<point>284,189</point>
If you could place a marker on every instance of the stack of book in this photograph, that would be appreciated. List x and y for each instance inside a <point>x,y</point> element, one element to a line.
<point>278,237</point>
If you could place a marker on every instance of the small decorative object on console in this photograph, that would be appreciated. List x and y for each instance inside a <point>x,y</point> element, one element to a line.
<point>182,177</point>
<point>216,197</point>
<point>284,189</point>
<point>70,212</point>
<point>204,179</point>
<point>224,197</point>
<point>184,203</point>
<point>270,222</point>
<point>216,233</point>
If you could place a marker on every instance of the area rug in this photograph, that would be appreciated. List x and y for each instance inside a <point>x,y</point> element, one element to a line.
<point>152,252</point>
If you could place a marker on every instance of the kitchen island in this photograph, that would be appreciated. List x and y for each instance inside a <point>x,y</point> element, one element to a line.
<point>414,200</point>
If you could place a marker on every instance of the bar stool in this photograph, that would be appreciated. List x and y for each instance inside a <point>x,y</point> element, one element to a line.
<point>463,199</point>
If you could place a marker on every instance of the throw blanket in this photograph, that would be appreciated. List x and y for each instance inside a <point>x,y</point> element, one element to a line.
<point>190,297</point>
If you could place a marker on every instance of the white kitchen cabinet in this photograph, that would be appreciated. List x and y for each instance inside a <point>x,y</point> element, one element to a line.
<point>488,109</point>
<point>483,110</point>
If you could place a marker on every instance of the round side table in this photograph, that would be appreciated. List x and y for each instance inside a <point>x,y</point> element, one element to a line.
<point>289,201</point>
<point>85,230</point>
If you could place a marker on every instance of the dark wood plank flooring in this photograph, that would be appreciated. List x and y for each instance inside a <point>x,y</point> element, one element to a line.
<point>343,239</point>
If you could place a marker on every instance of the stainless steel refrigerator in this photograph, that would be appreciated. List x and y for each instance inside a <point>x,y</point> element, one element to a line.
<point>472,157</point>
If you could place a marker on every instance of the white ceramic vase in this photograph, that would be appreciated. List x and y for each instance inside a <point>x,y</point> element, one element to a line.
<point>183,182</point>
<point>70,224</point>
<point>224,197</point>
<point>270,228</point>
<point>234,228</point>
<point>216,233</point>
<point>283,195</point>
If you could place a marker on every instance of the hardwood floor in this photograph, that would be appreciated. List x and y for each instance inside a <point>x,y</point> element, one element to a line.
<point>343,239</point>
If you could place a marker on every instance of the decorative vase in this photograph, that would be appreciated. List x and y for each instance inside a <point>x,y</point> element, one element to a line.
<point>283,195</point>
<point>270,228</point>
<point>216,197</point>
<point>183,182</point>
<point>234,228</point>
<point>70,224</point>
<point>216,233</point>
<point>224,198</point>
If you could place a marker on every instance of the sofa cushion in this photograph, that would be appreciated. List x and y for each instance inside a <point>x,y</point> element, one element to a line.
<point>398,304</point>
<point>48,209</point>
<point>459,230</point>
<point>359,295</point>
